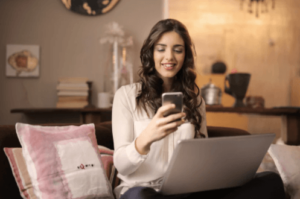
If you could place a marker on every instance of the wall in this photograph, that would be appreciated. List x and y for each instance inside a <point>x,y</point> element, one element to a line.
<point>268,47</point>
<point>69,47</point>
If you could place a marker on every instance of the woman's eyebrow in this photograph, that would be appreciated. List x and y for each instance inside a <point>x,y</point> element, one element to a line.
<point>161,45</point>
<point>176,45</point>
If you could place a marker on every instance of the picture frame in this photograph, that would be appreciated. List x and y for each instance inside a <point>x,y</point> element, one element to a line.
<point>22,60</point>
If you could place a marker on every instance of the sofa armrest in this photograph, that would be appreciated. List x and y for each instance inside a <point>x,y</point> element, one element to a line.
<point>214,131</point>
<point>8,186</point>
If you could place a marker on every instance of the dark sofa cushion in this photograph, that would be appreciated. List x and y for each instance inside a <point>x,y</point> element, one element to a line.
<point>104,134</point>
<point>213,131</point>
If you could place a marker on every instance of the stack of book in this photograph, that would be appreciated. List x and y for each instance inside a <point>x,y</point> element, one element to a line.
<point>72,92</point>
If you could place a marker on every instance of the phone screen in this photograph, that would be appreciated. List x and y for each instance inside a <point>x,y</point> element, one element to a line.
<point>173,98</point>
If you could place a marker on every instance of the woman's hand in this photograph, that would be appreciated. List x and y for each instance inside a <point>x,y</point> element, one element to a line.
<point>158,128</point>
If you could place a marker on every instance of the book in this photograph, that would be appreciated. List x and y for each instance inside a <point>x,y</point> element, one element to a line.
<point>72,98</point>
<point>72,93</point>
<point>73,80</point>
<point>72,86</point>
<point>71,104</point>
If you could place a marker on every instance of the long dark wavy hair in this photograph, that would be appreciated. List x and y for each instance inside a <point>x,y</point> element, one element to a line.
<point>184,81</point>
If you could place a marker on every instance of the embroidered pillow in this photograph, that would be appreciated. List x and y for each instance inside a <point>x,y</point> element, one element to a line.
<point>23,180</point>
<point>63,162</point>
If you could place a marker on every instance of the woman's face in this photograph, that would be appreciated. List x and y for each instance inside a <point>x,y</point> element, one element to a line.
<point>169,54</point>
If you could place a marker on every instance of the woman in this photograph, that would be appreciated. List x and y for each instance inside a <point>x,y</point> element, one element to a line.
<point>144,139</point>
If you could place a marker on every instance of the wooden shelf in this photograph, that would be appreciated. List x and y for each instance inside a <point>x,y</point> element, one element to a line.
<point>86,115</point>
<point>58,110</point>
<point>290,130</point>
<point>262,111</point>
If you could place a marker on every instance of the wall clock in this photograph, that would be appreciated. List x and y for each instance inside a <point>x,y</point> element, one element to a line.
<point>90,7</point>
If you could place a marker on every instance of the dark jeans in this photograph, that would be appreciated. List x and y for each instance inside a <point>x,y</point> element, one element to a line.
<point>265,185</point>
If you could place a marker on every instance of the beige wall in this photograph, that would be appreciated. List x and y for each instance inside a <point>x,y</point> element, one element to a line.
<point>268,47</point>
<point>68,46</point>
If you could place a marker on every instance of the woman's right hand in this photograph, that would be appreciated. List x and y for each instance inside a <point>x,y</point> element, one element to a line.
<point>158,128</point>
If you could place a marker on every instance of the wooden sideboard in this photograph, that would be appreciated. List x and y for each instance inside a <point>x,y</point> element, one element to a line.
<point>290,116</point>
<point>70,115</point>
<point>290,119</point>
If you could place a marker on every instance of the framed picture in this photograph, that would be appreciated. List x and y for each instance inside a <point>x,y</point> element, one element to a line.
<point>22,60</point>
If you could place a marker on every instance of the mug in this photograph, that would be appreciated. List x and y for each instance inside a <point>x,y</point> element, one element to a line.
<point>104,100</point>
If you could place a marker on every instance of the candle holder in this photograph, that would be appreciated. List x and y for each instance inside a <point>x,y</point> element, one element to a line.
<point>90,104</point>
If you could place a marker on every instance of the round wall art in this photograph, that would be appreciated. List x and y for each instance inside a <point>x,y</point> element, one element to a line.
<point>90,7</point>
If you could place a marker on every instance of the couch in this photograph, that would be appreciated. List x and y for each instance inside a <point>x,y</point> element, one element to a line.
<point>8,138</point>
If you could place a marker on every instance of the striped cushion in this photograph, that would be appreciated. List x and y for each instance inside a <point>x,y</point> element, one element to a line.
<point>20,172</point>
<point>108,164</point>
<point>21,175</point>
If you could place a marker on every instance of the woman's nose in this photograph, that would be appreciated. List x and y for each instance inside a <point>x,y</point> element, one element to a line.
<point>169,55</point>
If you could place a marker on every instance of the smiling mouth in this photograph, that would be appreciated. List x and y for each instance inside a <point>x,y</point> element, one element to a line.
<point>169,66</point>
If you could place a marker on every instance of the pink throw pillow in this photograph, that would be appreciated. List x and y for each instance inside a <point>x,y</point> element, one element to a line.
<point>21,175</point>
<point>63,162</point>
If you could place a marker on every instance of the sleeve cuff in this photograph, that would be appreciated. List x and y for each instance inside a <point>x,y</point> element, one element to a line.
<point>133,155</point>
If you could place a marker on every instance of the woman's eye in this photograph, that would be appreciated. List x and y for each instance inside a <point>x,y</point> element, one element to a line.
<point>178,51</point>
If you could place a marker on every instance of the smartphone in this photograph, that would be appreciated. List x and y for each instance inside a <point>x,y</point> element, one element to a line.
<point>173,98</point>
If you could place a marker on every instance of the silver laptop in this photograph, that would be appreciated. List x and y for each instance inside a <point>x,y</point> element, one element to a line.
<point>214,163</point>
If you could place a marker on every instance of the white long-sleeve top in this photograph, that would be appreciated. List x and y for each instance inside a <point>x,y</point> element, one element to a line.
<point>127,123</point>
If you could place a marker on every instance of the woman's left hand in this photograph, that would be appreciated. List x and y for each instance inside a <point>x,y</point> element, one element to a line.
<point>158,128</point>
